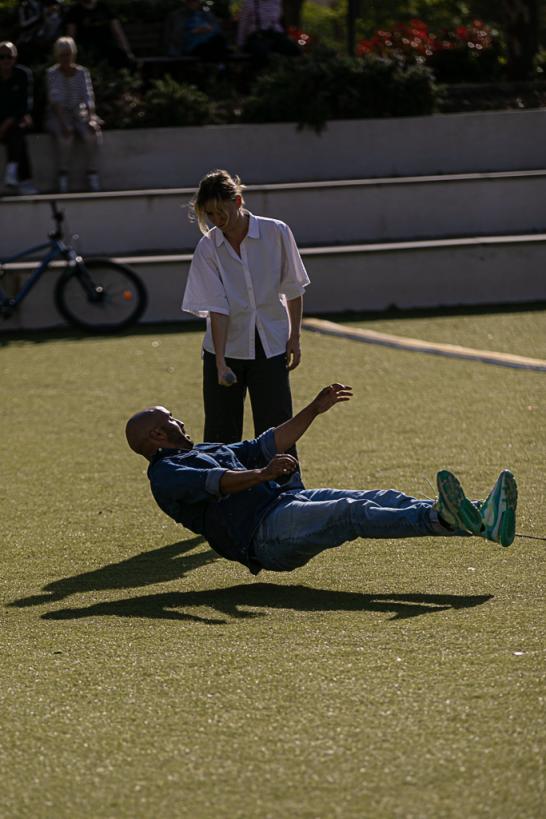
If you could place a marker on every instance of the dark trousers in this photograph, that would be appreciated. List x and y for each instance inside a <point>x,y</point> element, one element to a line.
<point>265,379</point>
<point>16,151</point>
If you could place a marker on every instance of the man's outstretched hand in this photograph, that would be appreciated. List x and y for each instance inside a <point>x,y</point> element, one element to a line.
<point>291,431</point>
<point>331,395</point>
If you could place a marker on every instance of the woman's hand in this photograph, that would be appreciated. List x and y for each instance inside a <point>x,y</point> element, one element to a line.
<point>226,376</point>
<point>293,353</point>
<point>94,123</point>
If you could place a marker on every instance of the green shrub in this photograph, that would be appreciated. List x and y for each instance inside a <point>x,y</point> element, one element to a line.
<point>326,25</point>
<point>540,65</point>
<point>118,96</point>
<point>170,103</point>
<point>324,86</point>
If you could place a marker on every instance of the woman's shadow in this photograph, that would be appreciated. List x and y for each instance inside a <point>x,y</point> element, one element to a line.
<point>145,569</point>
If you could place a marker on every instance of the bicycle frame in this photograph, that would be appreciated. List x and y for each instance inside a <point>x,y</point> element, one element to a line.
<point>97,294</point>
<point>57,249</point>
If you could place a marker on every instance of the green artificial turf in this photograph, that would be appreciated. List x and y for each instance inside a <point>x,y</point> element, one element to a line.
<point>498,332</point>
<point>142,677</point>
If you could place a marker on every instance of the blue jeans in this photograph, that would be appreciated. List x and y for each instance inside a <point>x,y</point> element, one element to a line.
<point>306,522</point>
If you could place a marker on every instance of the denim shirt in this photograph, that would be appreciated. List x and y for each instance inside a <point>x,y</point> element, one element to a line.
<point>186,486</point>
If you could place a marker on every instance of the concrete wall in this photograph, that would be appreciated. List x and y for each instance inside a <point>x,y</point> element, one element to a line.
<point>367,277</point>
<point>318,213</point>
<point>355,149</point>
<point>360,277</point>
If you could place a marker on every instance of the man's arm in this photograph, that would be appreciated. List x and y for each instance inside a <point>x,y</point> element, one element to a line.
<point>291,431</point>
<point>121,38</point>
<point>281,465</point>
<point>188,484</point>
<point>233,482</point>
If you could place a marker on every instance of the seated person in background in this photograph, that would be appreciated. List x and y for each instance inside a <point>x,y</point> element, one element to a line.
<point>260,31</point>
<point>40,24</point>
<point>16,103</point>
<point>194,31</point>
<point>71,112</point>
<point>237,497</point>
<point>96,29</point>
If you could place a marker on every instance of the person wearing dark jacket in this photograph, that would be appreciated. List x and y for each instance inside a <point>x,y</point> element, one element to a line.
<point>15,118</point>
<point>248,501</point>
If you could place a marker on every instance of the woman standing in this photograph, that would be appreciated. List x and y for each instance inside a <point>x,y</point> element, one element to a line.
<point>72,112</point>
<point>247,279</point>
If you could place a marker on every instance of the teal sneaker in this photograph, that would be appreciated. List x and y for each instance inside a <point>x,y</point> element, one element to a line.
<point>498,511</point>
<point>453,507</point>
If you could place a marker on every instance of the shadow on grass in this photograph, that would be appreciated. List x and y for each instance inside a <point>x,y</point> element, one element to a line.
<point>191,326</point>
<point>158,566</point>
<point>68,333</point>
<point>231,602</point>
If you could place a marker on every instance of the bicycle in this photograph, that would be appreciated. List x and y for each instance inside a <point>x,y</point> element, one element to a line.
<point>96,294</point>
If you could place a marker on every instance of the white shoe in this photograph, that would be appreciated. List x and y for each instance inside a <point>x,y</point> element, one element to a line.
<point>27,188</point>
<point>93,182</point>
<point>10,177</point>
<point>62,183</point>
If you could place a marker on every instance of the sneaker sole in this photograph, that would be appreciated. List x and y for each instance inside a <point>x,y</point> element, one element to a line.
<point>457,503</point>
<point>507,525</point>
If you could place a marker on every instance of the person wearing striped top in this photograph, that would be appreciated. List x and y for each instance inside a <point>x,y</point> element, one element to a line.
<point>71,112</point>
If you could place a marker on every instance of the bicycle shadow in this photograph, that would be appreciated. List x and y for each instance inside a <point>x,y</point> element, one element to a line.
<point>230,603</point>
<point>145,569</point>
<point>64,333</point>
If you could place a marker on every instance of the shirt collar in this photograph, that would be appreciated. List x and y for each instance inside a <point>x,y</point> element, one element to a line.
<point>165,452</point>
<point>253,230</point>
<point>253,227</point>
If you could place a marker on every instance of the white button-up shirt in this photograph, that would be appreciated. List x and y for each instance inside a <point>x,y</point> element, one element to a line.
<point>252,289</point>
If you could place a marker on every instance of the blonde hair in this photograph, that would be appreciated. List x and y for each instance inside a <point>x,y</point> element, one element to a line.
<point>218,186</point>
<point>65,44</point>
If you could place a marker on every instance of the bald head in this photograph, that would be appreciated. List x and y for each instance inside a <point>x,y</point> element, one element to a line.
<point>139,427</point>
<point>155,428</point>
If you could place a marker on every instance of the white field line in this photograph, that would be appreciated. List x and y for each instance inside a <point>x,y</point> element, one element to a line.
<point>415,345</point>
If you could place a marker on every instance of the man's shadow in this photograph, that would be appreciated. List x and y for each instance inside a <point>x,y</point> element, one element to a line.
<point>231,603</point>
<point>158,566</point>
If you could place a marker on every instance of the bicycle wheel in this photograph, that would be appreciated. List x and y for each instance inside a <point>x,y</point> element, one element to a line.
<point>100,295</point>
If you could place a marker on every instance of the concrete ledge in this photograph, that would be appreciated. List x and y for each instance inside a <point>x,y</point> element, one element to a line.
<point>442,273</point>
<point>347,149</point>
<point>329,212</point>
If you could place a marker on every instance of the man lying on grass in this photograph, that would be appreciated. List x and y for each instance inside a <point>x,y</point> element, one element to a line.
<point>248,501</point>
